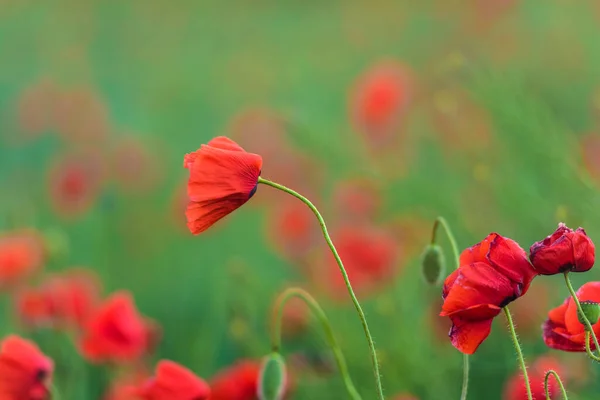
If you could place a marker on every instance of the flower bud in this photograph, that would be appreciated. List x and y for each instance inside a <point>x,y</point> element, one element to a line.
<point>591,310</point>
<point>433,264</point>
<point>273,378</point>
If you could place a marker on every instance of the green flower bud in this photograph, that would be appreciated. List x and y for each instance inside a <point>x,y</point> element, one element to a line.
<point>273,378</point>
<point>591,310</point>
<point>433,265</point>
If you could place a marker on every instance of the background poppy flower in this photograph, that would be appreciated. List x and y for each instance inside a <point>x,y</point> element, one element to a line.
<point>222,178</point>
<point>135,167</point>
<point>492,274</point>
<point>34,107</point>
<point>564,250</point>
<point>116,332</point>
<point>515,386</point>
<point>357,199</point>
<point>21,254</point>
<point>237,382</point>
<point>174,382</point>
<point>562,330</point>
<point>25,372</point>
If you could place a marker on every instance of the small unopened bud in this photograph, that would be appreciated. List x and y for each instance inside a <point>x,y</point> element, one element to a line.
<point>273,378</point>
<point>433,265</point>
<point>591,310</point>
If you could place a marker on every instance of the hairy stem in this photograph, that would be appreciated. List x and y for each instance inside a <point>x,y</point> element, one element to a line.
<point>513,333</point>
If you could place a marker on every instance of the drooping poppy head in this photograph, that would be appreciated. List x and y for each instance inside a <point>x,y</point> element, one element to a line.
<point>222,178</point>
<point>492,274</point>
<point>22,253</point>
<point>564,250</point>
<point>562,330</point>
<point>25,372</point>
<point>379,99</point>
<point>237,382</point>
<point>515,389</point>
<point>369,254</point>
<point>174,382</point>
<point>116,331</point>
<point>135,168</point>
<point>63,300</point>
<point>75,182</point>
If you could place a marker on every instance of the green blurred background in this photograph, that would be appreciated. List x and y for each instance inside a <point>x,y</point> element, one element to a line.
<point>501,134</point>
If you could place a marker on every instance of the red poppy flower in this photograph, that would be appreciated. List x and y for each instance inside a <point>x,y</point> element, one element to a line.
<point>562,330</point>
<point>21,254</point>
<point>174,382</point>
<point>25,372</point>
<point>564,250</point>
<point>222,178</point>
<point>379,100</point>
<point>75,182</point>
<point>515,387</point>
<point>238,382</point>
<point>63,300</point>
<point>116,332</point>
<point>369,254</point>
<point>492,274</point>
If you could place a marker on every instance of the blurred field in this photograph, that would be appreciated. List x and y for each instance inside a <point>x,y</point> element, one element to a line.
<point>499,131</point>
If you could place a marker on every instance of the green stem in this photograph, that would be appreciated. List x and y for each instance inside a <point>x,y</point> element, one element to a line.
<point>588,350</point>
<point>359,310</point>
<point>560,384</point>
<point>322,317</point>
<point>442,221</point>
<point>513,333</point>
<point>588,325</point>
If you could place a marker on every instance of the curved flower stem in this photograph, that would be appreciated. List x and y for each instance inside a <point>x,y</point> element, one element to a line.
<point>513,333</point>
<point>442,221</point>
<point>560,384</point>
<point>320,314</point>
<point>588,350</point>
<point>588,325</point>
<point>359,310</point>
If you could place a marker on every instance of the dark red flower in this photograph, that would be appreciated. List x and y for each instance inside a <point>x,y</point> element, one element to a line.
<point>75,181</point>
<point>174,382</point>
<point>222,178</point>
<point>116,331</point>
<point>562,330</point>
<point>22,253</point>
<point>369,254</point>
<point>25,372</point>
<point>379,100</point>
<point>564,250</point>
<point>492,274</point>
<point>238,382</point>
<point>515,386</point>
<point>63,300</point>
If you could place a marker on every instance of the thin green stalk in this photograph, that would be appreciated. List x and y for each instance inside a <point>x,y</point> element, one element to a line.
<point>513,333</point>
<point>322,317</point>
<point>442,221</point>
<point>587,324</point>
<point>560,384</point>
<point>588,350</point>
<point>361,314</point>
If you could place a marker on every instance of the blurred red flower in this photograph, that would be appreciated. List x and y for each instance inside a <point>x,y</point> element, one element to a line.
<point>34,107</point>
<point>564,250</point>
<point>492,274</point>
<point>405,396</point>
<point>379,99</point>
<point>174,382</point>
<point>75,181</point>
<point>562,330</point>
<point>292,228</point>
<point>22,253</point>
<point>370,256</point>
<point>222,178</point>
<point>25,372</point>
<point>81,116</point>
<point>590,149</point>
<point>126,386</point>
<point>237,382</point>
<point>515,386</point>
<point>356,199</point>
<point>135,167</point>
<point>116,331</point>
<point>64,300</point>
